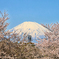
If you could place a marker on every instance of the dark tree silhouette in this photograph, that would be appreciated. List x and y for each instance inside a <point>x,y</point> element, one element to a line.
<point>29,38</point>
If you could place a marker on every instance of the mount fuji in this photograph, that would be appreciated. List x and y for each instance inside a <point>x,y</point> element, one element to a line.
<point>31,28</point>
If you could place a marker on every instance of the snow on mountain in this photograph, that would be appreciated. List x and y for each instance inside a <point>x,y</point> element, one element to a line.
<point>32,28</point>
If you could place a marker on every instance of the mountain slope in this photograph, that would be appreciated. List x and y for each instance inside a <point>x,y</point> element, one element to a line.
<point>32,28</point>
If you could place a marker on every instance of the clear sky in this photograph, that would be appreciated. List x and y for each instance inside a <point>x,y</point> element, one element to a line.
<point>40,11</point>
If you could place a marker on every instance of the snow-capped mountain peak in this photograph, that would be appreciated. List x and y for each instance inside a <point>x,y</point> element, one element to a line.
<point>32,28</point>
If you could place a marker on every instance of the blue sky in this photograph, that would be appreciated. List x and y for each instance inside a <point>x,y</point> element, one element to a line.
<point>40,11</point>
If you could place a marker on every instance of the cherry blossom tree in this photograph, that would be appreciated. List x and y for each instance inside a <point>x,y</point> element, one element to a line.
<point>50,44</point>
